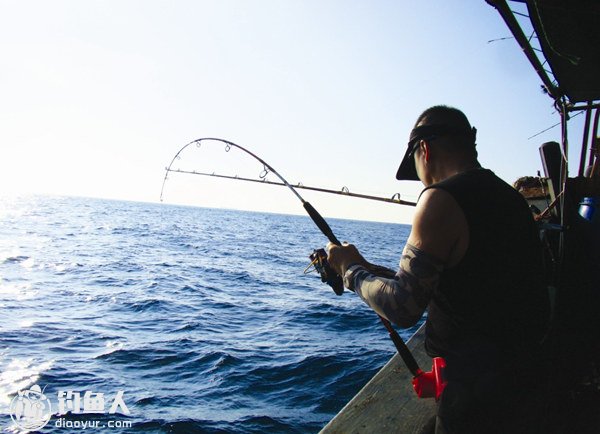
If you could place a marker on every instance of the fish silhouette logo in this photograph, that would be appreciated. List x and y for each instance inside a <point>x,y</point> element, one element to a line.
<point>30,409</point>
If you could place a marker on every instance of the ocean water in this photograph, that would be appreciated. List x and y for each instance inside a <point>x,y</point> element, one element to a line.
<point>203,318</point>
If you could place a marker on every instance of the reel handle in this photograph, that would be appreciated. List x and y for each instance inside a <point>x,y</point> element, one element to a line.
<point>319,256</point>
<point>319,259</point>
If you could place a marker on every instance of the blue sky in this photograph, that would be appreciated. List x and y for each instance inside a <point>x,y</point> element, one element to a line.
<point>97,96</point>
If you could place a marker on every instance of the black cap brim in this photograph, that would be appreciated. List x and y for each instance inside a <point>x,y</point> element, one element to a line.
<point>407,170</point>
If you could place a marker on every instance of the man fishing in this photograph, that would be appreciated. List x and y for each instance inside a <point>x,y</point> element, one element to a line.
<point>473,261</point>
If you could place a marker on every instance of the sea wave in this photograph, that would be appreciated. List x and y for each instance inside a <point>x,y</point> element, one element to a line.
<point>205,329</point>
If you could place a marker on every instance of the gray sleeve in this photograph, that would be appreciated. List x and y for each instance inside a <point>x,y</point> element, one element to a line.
<point>402,299</point>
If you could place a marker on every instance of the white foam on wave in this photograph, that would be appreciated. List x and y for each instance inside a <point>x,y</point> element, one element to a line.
<point>28,263</point>
<point>18,374</point>
<point>111,347</point>
<point>25,323</point>
<point>17,291</point>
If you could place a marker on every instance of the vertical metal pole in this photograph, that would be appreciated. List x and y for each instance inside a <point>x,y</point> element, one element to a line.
<point>594,150</point>
<point>564,170</point>
<point>586,135</point>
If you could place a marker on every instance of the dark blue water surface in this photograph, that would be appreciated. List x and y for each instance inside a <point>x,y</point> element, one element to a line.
<point>203,317</point>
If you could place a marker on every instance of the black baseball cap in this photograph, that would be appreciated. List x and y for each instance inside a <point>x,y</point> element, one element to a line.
<point>407,170</point>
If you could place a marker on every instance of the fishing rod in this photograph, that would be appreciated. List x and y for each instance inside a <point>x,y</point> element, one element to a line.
<point>426,384</point>
<point>343,192</point>
<point>395,199</point>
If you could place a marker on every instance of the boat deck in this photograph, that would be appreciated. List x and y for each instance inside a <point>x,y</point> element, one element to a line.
<point>388,403</point>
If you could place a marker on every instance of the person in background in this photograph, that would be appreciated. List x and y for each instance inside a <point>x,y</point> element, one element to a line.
<point>473,260</point>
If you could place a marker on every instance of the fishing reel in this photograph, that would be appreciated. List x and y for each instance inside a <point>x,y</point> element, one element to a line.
<point>319,261</point>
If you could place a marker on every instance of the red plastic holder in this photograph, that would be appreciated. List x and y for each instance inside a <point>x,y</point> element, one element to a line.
<point>431,384</point>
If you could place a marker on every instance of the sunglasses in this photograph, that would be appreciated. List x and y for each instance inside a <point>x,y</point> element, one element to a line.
<point>415,143</point>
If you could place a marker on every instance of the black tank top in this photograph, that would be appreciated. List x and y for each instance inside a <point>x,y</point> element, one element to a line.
<point>492,306</point>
